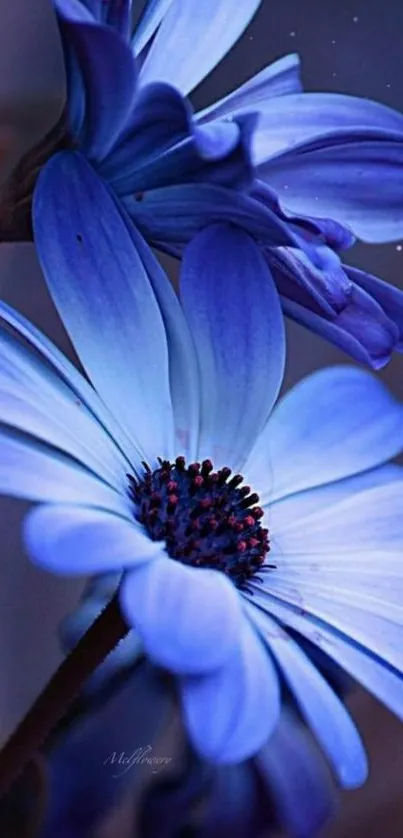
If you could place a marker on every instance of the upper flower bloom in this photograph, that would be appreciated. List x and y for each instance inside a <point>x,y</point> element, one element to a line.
<point>240,531</point>
<point>175,172</point>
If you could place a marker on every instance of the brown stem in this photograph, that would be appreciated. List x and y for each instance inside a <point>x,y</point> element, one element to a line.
<point>90,651</point>
<point>16,198</point>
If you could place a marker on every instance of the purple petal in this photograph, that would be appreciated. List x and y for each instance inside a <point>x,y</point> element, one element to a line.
<point>193,38</point>
<point>324,230</point>
<point>362,329</point>
<point>117,14</point>
<point>75,10</point>
<point>164,147</point>
<point>343,181</point>
<point>160,118</point>
<point>109,75</point>
<point>68,374</point>
<point>389,298</point>
<point>189,619</point>
<point>114,13</point>
<point>175,214</point>
<point>326,290</point>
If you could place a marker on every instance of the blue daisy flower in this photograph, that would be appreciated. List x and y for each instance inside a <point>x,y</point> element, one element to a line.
<point>139,472</point>
<point>175,172</point>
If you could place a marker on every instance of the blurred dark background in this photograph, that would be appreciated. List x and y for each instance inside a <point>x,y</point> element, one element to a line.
<point>352,46</point>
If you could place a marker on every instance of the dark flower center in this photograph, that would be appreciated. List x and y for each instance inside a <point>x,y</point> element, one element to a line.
<point>207,518</point>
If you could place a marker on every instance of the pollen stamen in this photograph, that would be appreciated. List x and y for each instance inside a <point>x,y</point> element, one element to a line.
<point>206,518</point>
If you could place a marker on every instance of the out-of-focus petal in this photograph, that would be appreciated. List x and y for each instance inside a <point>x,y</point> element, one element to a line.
<point>297,778</point>
<point>325,289</point>
<point>86,778</point>
<point>323,230</point>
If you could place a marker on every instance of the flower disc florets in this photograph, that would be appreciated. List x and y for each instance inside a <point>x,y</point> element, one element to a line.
<point>207,518</point>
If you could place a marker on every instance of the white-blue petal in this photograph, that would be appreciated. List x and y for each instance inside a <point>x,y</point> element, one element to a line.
<point>231,713</point>
<point>384,681</point>
<point>298,120</point>
<point>34,399</point>
<point>71,540</point>
<point>323,711</point>
<point>102,291</point>
<point>60,365</point>
<point>234,314</point>
<point>35,471</point>
<point>183,364</point>
<point>359,521</point>
<point>348,572</point>
<point>193,38</point>
<point>347,423</point>
<point>284,514</point>
<point>153,13</point>
<point>189,619</point>
<point>281,78</point>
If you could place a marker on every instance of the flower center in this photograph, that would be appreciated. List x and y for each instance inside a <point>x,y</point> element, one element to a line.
<point>207,518</point>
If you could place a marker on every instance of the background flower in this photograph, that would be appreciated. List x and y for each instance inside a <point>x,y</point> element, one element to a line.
<point>165,164</point>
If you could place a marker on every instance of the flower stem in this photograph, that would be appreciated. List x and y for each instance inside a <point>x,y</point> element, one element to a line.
<point>104,634</point>
<point>16,195</point>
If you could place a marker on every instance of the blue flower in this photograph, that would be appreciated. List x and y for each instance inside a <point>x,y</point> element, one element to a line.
<point>176,173</point>
<point>138,473</point>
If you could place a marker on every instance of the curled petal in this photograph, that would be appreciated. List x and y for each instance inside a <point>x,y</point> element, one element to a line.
<point>188,618</point>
